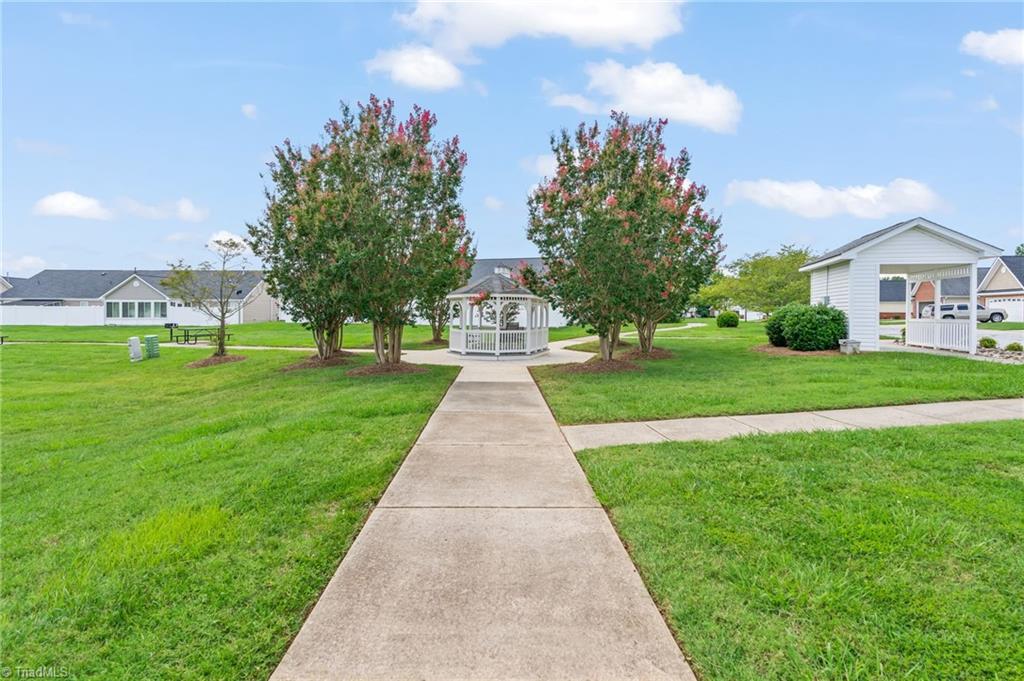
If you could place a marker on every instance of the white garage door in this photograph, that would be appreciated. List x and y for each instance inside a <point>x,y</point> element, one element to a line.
<point>1014,306</point>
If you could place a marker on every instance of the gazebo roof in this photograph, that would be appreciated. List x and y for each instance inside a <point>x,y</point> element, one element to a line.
<point>493,283</point>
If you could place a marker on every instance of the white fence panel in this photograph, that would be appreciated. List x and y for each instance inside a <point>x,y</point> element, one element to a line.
<point>51,315</point>
<point>944,334</point>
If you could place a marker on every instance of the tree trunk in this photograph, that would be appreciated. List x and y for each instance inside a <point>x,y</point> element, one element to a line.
<point>338,337</point>
<point>395,344</point>
<point>221,350</point>
<point>323,351</point>
<point>436,328</point>
<point>645,328</point>
<point>616,330</point>
<point>380,343</point>
<point>607,347</point>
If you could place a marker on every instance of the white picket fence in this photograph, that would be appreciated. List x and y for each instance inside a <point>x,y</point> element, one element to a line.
<point>943,334</point>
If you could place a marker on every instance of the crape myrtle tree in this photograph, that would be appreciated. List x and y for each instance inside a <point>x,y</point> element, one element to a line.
<point>214,287</point>
<point>304,238</point>
<point>621,229</point>
<point>446,247</point>
<point>365,224</point>
<point>406,204</point>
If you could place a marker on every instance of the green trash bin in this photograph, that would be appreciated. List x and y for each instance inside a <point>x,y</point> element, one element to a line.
<point>152,347</point>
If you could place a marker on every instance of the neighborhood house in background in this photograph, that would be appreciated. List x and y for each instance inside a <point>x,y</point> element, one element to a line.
<point>129,297</point>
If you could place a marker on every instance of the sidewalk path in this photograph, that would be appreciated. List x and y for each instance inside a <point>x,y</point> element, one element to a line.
<point>720,427</point>
<point>487,558</point>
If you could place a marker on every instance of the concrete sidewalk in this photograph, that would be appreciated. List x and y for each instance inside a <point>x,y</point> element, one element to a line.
<point>487,558</point>
<point>720,427</point>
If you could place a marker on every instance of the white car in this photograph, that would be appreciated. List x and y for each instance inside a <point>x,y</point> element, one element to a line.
<point>962,311</point>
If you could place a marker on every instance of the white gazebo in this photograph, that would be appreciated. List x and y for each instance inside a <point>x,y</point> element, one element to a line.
<point>495,316</point>
<point>918,250</point>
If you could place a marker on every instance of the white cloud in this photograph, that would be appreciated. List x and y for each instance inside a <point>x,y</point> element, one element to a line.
<point>81,19</point>
<point>21,266</point>
<point>493,203</point>
<point>990,103</point>
<point>1003,47</point>
<point>573,101</point>
<point>457,28</point>
<point>544,164</point>
<point>71,205</point>
<point>182,209</point>
<point>138,209</point>
<point>223,235</point>
<point>177,237</point>
<point>41,147</point>
<point>657,89</point>
<point>186,210</point>
<point>811,200</point>
<point>417,66</point>
<point>250,111</point>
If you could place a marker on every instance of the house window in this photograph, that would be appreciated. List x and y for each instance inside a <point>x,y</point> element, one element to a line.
<point>113,310</point>
<point>145,309</point>
<point>128,309</point>
<point>159,309</point>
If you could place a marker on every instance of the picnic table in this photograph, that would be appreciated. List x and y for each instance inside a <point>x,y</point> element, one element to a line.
<point>187,336</point>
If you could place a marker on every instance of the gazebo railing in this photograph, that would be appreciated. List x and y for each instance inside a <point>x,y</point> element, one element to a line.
<point>941,334</point>
<point>487,340</point>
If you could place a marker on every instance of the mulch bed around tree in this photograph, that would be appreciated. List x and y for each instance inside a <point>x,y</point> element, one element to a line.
<point>594,365</point>
<point>387,369</point>
<point>789,352</point>
<point>655,353</point>
<point>438,343</point>
<point>214,361</point>
<point>314,362</point>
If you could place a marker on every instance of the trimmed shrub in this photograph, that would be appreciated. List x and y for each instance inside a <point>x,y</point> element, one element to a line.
<point>774,326</point>
<point>987,342</point>
<point>814,327</point>
<point>1014,347</point>
<point>727,319</point>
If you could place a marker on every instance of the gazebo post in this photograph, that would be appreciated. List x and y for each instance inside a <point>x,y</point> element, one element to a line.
<point>973,315</point>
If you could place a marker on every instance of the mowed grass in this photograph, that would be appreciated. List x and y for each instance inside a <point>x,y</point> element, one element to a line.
<point>270,334</point>
<point>889,554</point>
<point>716,371</point>
<point>161,522</point>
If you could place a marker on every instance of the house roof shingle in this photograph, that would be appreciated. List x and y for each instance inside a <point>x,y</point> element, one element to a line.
<point>91,284</point>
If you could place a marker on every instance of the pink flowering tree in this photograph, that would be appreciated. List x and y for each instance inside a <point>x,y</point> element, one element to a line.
<point>446,246</point>
<point>622,230</point>
<point>353,228</point>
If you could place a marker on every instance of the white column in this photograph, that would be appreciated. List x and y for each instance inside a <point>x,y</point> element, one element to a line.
<point>906,306</point>
<point>937,313</point>
<point>973,315</point>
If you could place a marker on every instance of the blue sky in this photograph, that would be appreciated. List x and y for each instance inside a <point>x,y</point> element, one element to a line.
<point>132,133</point>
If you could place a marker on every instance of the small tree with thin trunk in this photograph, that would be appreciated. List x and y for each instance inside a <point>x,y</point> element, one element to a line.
<point>214,288</point>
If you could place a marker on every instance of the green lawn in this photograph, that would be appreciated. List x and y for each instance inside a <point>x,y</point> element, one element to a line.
<point>161,522</point>
<point>891,554</point>
<point>714,371</point>
<point>273,334</point>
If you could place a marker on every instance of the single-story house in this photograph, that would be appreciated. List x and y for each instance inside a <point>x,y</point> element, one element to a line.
<point>920,250</point>
<point>129,297</point>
